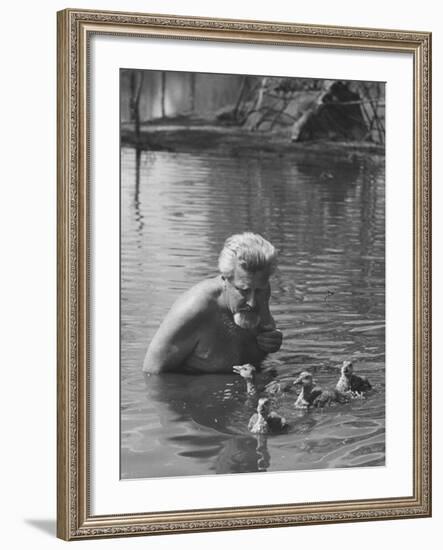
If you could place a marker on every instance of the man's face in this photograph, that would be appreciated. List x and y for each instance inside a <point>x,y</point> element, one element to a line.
<point>245,293</point>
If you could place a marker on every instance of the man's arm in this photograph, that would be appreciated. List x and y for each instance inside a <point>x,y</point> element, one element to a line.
<point>177,336</point>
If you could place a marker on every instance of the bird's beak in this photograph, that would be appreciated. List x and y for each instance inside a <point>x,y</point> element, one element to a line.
<point>236,369</point>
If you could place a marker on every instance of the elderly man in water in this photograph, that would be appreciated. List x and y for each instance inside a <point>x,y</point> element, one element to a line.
<point>222,321</point>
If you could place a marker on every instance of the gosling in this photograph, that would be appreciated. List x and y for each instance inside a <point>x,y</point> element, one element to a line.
<point>351,383</point>
<point>247,372</point>
<point>265,421</point>
<point>314,396</point>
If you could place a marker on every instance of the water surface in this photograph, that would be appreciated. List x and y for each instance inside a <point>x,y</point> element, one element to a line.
<point>326,215</point>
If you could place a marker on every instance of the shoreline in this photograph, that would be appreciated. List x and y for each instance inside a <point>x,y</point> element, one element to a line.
<point>179,138</point>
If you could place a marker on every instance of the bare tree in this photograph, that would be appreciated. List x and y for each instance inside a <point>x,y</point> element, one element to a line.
<point>163,94</point>
<point>136,85</point>
<point>193,82</point>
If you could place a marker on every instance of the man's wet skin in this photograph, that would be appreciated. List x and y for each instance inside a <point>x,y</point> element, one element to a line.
<point>218,323</point>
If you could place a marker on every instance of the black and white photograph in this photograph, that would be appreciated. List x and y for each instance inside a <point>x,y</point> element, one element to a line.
<point>252,274</point>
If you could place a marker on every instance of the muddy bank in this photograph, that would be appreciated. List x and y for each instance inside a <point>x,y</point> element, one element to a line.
<point>235,141</point>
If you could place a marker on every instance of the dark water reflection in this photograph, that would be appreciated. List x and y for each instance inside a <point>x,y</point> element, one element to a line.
<point>326,217</point>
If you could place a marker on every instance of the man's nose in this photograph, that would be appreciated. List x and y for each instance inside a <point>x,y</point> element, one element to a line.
<point>251,299</point>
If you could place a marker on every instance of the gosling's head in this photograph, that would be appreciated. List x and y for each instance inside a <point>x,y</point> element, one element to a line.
<point>246,371</point>
<point>304,379</point>
<point>264,406</point>
<point>347,368</point>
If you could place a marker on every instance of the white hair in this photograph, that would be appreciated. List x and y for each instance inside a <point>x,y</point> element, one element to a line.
<point>249,250</point>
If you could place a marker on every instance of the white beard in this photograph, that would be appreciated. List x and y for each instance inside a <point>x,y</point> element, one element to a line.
<point>246,319</point>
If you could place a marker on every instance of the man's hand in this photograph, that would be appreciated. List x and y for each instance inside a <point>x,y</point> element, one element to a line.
<point>269,340</point>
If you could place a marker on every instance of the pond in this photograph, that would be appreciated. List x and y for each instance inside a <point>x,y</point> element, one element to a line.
<point>326,215</point>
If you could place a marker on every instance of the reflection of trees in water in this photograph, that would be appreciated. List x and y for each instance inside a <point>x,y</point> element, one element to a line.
<point>281,198</point>
<point>138,214</point>
<point>371,238</point>
<point>290,202</point>
<point>300,204</point>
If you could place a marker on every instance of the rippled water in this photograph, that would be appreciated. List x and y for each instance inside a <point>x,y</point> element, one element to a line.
<point>326,216</point>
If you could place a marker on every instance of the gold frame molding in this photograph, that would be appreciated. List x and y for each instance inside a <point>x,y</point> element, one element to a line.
<point>74,520</point>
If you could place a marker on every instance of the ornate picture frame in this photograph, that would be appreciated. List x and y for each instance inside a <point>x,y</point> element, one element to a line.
<point>75,518</point>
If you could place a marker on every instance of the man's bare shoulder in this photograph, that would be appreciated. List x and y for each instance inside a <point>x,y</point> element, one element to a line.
<point>199,301</point>
<point>179,332</point>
